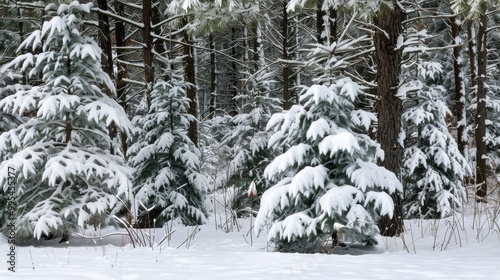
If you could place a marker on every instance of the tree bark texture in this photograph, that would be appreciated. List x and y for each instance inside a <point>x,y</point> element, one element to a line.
<point>213,76</point>
<point>472,53</point>
<point>190,77</point>
<point>148,49</point>
<point>459,86</point>
<point>122,71</point>
<point>480,132</point>
<point>233,110</point>
<point>286,70</point>
<point>389,106</point>
<point>105,39</point>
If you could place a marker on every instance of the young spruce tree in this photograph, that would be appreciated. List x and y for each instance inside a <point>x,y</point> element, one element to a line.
<point>66,177</point>
<point>167,163</point>
<point>328,178</point>
<point>433,168</point>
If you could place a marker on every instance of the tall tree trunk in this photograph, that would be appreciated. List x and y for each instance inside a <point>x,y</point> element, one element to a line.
<point>21,37</point>
<point>159,46</point>
<point>389,23</point>
<point>324,19</point>
<point>233,110</point>
<point>472,53</point>
<point>459,85</point>
<point>190,77</point>
<point>122,71</point>
<point>107,55</point>
<point>286,70</point>
<point>213,76</point>
<point>482,52</point>
<point>148,49</point>
<point>320,23</point>
<point>333,24</point>
<point>105,39</point>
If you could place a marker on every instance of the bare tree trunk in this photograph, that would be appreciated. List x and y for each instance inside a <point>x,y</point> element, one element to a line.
<point>389,23</point>
<point>482,52</point>
<point>190,77</point>
<point>459,86</point>
<point>148,49</point>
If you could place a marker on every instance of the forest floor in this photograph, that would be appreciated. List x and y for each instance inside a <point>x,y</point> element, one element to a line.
<point>464,247</point>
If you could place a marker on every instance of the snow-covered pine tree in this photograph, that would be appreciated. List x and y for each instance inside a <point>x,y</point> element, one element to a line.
<point>66,177</point>
<point>8,87</point>
<point>433,169</point>
<point>247,142</point>
<point>167,162</point>
<point>327,178</point>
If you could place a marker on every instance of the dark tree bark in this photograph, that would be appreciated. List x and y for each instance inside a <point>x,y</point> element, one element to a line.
<point>320,22</point>
<point>148,49</point>
<point>389,23</point>
<point>472,54</point>
<point>233,110</point>
<point>159,46</point>
<point>105,39</point>
<point>122,68</point>
<point>286,70</point>
<point>459,86</point>
<point>107,54</point>
<point>333,24</point>
<point>190,77</point>
<point>21,37</point>
<point>482,54</point>
<point>213,76</point>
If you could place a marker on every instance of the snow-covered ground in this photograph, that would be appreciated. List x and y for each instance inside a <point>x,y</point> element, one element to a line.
<point>454,252</point>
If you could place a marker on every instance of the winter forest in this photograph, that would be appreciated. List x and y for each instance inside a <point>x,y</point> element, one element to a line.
<point>317,120</point>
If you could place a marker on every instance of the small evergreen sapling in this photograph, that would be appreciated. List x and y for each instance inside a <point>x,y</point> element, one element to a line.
<point>167,163</point>
<point>247,142</point>
<point>433,169</point>
<point>328,174</point>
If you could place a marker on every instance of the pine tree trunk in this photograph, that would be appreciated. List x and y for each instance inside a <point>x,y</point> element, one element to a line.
<point>148,49</point>
<point>481,172</point>
<point>122,68</point>
<point>104,39</point>
<point>459,85</point>
<point>389,105</point>
<point>286,70</point>
<point>322,20</point>
<point>107,55</point>
<point>159,46</point>
<point>472,53</point>
<point>320,23</point>
<point>213,76</point>
<point>21,37</point>
<point>190,77</point>
<point>233,110</point>
<point>333,24</point>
